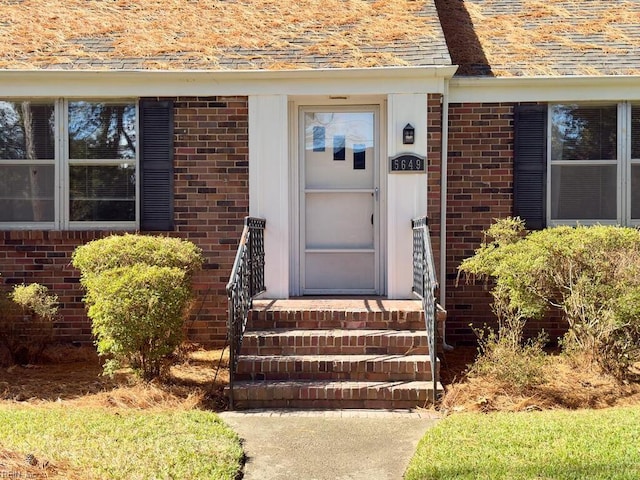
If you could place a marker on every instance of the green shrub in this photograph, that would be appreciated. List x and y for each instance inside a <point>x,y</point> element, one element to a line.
<point>126,250</point>
<point>138,292</point>
<point>27,315</point>
<point>35,298</point>
<point>590,274</point>
<point>137,315</point>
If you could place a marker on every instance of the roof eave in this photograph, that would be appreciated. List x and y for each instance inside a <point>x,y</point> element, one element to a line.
<point>132,83</point>
<point>545,88</point>
<point>428,71</point>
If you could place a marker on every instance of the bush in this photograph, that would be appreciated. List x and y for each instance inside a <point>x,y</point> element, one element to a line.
<point>126,250</point>
<point>26,321</point>
<point>35,298</point>
<point>590,274</point>
<point>138,293</point>
<point>137,314</point>
<point>506,358</point>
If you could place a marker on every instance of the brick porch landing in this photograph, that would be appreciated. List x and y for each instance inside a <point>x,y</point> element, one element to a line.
<point>369,304</point>
<point>364,352</point>
<point>318,312</point>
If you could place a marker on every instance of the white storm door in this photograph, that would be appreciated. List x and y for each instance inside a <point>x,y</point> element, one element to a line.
<point>339,201</point>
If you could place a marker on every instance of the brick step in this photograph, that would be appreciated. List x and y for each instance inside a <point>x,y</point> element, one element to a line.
<point>332,394</point>
<point>335,367</point>
<point>328,314</point>
<point>334,342</point>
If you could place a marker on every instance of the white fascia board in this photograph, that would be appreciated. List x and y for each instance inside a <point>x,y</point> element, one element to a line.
<point>109,83</point>
<point>544,89</point>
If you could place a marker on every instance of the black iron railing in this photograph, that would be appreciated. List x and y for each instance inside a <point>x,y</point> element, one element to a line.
<point>424,287</point>
<point>246,281</point>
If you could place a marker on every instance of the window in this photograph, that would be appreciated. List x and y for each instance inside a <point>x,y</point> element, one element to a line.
<point>577,163</point>
<point>635,163</point>
<point>584,162</point>
<point>102,162</point>
<point>82,178</point>
<point>594,167</point>
<point>27,162</point>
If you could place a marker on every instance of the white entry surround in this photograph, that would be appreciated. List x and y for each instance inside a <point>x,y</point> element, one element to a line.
<point>273,149</point>
<point>406,192</point>
<point>274,176</point>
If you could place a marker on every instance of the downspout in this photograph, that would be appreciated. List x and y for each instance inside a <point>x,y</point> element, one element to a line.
<point>443,207</point>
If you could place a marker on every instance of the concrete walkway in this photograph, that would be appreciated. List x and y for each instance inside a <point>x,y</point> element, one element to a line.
<point>328,445</point>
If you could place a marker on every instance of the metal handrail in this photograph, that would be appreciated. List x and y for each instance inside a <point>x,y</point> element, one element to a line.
<point>245,282</point>
<point>424,287</point>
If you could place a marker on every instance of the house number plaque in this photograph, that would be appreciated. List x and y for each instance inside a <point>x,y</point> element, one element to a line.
<point>407,162</point>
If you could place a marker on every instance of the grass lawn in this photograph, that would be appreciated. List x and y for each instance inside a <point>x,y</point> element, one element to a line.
<point>584,444</point>
<point>79,424</point>
<point>93,443</point>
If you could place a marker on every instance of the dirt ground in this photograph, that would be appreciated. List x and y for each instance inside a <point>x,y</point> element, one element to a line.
<point>568,386</point>
<point>74,376</point>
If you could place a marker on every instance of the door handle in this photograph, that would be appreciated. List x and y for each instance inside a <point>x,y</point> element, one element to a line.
<point>376,192</point>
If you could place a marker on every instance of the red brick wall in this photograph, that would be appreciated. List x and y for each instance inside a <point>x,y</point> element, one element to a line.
<point>211,200</point>
<point>479,189</point>
<point>434,161</point>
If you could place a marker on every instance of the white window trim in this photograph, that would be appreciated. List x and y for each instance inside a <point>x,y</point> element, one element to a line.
<point>626,129</point>
<point>623,197</point>
<point>61,164</point>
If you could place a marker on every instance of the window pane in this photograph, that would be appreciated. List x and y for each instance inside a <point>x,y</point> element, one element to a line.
<point>26,131</point>
<point>584,132</point>
<point>583,192</point>
<point>635,132</point>
<point>102,131</point>
<point>635,191</point>
<point>27,193</point>
<point>102,193</point>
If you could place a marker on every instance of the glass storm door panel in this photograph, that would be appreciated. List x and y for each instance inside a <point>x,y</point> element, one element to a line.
<point>339,194</point>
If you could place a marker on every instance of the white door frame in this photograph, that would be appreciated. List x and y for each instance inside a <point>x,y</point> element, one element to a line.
<point>296,110</point>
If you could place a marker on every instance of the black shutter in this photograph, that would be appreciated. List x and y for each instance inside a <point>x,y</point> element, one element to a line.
<point>530,165</point>
<point>156,162</point>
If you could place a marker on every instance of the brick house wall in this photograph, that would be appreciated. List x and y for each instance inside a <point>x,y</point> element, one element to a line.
<point>434,170</point>
<point>211,199</point>
<point>480,189</point>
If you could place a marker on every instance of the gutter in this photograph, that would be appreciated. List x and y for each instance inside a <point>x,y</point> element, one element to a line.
<point>435,71</point>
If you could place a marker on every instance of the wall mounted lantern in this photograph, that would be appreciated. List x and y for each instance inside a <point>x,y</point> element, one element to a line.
<point>408,134</point>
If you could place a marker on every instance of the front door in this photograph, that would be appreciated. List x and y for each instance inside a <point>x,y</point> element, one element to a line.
<point>339,211</point>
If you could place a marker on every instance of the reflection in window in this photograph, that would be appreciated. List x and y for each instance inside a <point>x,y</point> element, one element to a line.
<point>27,153</point>
<point>584,133</point>
<point>584,157</point>
<point>102,131</point>
<point>101,186</point>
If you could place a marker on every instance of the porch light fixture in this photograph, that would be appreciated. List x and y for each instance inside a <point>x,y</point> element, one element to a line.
<point>408,134</point>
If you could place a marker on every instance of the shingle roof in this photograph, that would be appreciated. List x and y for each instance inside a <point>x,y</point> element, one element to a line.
<point>543,37</point>
<point>219,34</point>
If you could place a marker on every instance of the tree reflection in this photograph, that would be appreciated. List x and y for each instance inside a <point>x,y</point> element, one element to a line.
<point>584,133</point>
<point>105,132</point>
<point>102,131</point>
<point>26,134</point>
